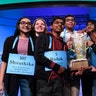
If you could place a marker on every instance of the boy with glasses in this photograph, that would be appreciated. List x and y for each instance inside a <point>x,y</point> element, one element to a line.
<point>71,82</point>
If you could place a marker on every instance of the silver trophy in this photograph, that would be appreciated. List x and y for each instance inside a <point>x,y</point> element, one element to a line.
<point>79,41</point>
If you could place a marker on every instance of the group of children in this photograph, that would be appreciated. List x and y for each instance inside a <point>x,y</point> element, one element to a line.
<point>50,77</point>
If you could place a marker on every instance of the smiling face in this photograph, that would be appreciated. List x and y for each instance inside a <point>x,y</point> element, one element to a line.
<point>39,26</point>
<point>57,26</point>
<point>25,25</point>
<point>90,27</point>
<point>69,22</point>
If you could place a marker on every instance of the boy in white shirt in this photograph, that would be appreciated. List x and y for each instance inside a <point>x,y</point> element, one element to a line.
<point>72,82</point>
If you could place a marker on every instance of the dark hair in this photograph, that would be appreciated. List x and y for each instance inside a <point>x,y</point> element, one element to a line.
<point>91,21</point>
<point>68,16</point>
<point>17,30</point>
<point>55,18</point>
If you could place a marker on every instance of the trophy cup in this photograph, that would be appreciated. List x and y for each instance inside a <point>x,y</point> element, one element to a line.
<point>79,41</point>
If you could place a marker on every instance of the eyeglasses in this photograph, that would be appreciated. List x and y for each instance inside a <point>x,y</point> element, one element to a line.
<point>70,20</point>
<point>24,23</point>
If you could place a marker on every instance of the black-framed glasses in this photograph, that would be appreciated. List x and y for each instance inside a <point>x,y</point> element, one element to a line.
<point>70,20</point>
<point>24,23</point>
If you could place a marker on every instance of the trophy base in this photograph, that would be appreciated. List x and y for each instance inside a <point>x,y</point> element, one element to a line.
<point>77,64</point>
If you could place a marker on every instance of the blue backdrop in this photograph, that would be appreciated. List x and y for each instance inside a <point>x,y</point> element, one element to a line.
<point>8,18</point>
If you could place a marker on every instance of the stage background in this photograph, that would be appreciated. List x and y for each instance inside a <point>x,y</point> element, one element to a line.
<point>10,15</point>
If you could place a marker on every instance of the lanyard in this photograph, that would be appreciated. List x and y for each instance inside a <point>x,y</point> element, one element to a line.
<point>18,38</point>
<point>50,42</point>
<point>65,31</point>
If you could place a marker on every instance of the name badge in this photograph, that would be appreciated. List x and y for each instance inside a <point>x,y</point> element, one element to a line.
<point>21,64</point>
<point>58,57</point>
